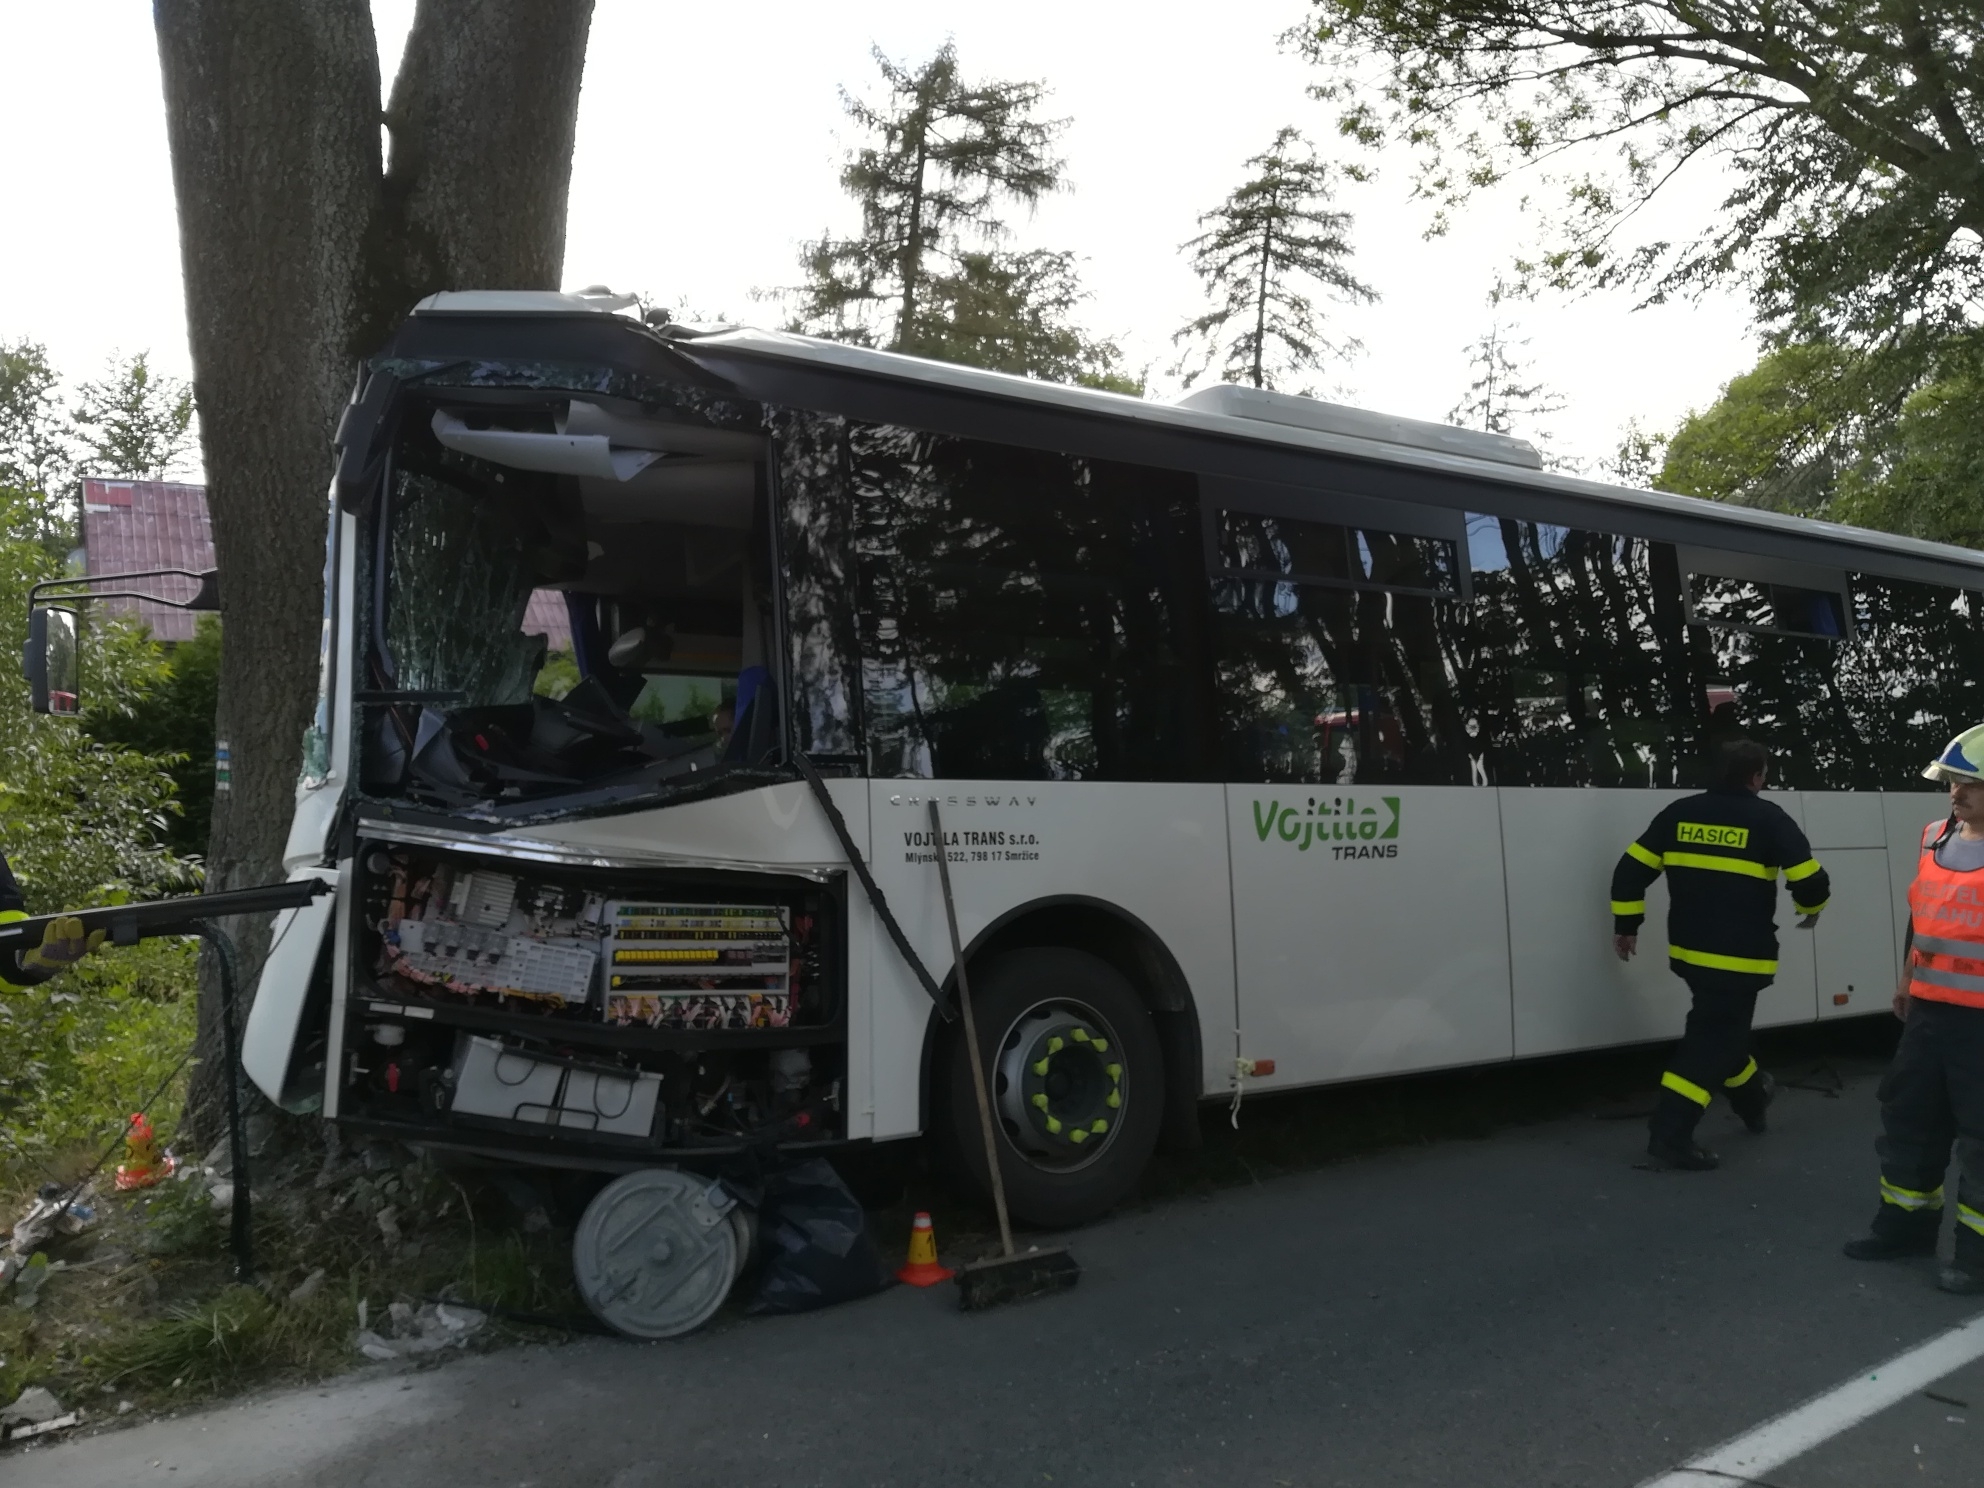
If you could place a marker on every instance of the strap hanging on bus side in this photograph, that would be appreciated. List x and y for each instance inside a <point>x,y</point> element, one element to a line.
<point>868,884</point>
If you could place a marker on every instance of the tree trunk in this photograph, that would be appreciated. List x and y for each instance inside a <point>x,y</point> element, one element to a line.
<point>483,115</point>
<point>300,254</point>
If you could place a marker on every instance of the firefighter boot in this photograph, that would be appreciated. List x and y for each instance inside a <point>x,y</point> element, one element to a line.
<point>1687,1157</point>
<point>1671,1135</point>
<point>1898,1233</point>
<point>1752,1099</point>
<point>1965,1272</point>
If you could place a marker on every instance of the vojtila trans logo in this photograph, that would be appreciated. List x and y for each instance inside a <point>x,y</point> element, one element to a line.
<point>1351,827</point>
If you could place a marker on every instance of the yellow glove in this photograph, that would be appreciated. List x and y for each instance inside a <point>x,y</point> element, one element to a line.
<point>62,946</point>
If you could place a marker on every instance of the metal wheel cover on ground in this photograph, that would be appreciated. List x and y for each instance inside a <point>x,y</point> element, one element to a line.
<point>1074,1034</point>
<point>656,1253</point>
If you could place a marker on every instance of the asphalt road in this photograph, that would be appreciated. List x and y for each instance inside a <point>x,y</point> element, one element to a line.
<point>1515,1312</point>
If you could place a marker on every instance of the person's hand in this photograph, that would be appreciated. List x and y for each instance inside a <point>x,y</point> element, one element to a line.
<point>1901,1000</point>
<point>63,944</point>
<point>1808,922</point>
<point>1625,945</point>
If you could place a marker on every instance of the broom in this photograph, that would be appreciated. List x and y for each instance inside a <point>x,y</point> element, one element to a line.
<point>1010,1277</point>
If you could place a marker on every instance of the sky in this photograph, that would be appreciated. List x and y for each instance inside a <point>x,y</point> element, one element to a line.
<point>709,142</point>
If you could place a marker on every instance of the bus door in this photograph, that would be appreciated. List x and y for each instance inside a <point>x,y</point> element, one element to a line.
<point>1370,929</point>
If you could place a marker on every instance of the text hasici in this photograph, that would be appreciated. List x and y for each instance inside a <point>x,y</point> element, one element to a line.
<point>1362,832</point>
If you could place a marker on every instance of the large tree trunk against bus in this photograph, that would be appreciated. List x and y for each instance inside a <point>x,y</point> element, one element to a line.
<point>300,253</point>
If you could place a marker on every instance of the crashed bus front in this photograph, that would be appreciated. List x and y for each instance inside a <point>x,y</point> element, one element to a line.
<point>548,679</point>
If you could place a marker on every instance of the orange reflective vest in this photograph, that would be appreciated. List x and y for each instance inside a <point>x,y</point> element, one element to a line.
<point>1946,911</point>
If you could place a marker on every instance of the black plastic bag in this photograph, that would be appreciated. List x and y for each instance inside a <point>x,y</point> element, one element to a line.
<point>815,1242</point>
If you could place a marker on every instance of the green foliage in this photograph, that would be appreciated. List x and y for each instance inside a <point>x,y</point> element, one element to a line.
<point>135,422</point>
<point>205,1346</point>
<point>927,274</point>
<point>1014,312</point>
<point>1926,476</point>
<point>1850,129</point>
<point>1777,437</point>
<point>181,1221</point>
<point>79,1054</point>
<point>947,155</point>
<point>558,676</point>
<point>35,460</point>
<point>172,721</point>
<point>677,699</point>
<point>1639,457</point>
<point>80,822</point>
<point>1265,250</point>
<point>1800,433</point>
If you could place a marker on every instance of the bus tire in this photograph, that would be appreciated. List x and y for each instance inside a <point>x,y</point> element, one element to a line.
<point>1076,1077</point>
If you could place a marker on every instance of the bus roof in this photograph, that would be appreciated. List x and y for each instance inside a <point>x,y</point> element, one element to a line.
<point>1229,415</point>
<point>1196,413</point>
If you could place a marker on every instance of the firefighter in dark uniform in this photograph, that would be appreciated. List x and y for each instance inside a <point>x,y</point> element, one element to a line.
<point>1722,852</point>
<point>63,944</point>
<point>1933,1096</point>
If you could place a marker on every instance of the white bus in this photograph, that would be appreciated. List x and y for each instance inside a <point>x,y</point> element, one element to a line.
<point>1277,743</point>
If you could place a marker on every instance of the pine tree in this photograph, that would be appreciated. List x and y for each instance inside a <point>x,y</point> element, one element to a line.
<point>134,423</point>
<point>928,275</point>
<point>1266,250</point>
<point>1014,312</point>
<point>1504,397</point>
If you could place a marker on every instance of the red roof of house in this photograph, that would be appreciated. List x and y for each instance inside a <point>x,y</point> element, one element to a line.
<point>148,524</point>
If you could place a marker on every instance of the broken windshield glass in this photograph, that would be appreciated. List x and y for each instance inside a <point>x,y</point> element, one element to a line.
<point>462,583</point>
<point>544,640</point>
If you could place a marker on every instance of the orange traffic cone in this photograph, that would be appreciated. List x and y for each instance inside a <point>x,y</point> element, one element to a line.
<point>146,1165</point>
<point>922,1268</point>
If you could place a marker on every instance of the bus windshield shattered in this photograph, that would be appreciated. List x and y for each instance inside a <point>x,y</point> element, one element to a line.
<point>567,611</point>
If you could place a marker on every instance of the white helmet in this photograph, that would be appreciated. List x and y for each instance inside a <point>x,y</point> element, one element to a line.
<point>1962,760</point>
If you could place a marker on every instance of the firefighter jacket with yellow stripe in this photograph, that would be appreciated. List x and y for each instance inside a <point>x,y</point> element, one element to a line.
<point>1722,852</point>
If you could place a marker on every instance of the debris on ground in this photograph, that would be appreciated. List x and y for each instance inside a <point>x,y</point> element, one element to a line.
<point>817,1242</point>
<point>434,1326</point>
<point>215,1172</point>
<point>34,1414</point>
<point>55,1212</point>
<point>307,1288</point>
<point>60,1423</point>
<point>34,1406</point>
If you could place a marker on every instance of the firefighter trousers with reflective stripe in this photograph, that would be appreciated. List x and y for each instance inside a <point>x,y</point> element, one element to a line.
<point>1932,1099</point>
<point>1713,1055</point>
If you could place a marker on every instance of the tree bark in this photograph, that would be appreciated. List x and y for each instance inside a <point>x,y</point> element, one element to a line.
<point>483,116</point>
<point>300,254</point>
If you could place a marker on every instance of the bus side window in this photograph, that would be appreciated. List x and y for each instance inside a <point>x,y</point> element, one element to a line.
<point>1781,636</point>
<point>1340,646</point>
<point>1584,672</point>
<point>1915,678</point>
<point>1025,615</point>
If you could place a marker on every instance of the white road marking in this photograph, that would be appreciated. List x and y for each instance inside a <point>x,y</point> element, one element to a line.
<point>1818,1420</point>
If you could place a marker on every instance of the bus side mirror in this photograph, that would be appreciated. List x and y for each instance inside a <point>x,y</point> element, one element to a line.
<point>53,662</point>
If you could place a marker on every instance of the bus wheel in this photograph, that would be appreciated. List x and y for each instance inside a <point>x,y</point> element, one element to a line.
<point>1076,1078</point>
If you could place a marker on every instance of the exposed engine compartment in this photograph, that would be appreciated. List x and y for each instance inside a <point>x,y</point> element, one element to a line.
<point>589,1010</point>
